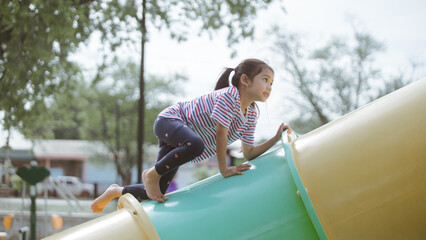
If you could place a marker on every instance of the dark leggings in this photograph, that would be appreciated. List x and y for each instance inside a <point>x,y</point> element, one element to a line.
<point>178,144</point>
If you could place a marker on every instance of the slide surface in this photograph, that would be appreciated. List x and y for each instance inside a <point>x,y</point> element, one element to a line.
<point>261,204</point>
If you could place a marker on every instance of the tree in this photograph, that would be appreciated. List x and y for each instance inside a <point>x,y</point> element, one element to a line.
<point>61,116</point>
<point>112,114</point>
<point>35,40</point>
<point>105,111</point>
<point>336,78</point>
<point>123,17</point>
<point>403,78</point>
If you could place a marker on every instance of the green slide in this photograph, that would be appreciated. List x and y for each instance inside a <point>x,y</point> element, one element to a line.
<point>261,204</point>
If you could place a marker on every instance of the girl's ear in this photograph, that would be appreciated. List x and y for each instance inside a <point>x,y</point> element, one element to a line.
<point>244,80</point>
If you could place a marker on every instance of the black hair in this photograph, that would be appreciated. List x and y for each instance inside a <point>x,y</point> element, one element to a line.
<point>249,67</point>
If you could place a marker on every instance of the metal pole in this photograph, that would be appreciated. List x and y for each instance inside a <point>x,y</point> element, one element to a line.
<point>141,125</point>
<point>33,211</point>
<point>23,232</point>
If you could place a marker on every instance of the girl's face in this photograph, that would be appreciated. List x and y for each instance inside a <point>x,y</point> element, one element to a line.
<point>261,86</point>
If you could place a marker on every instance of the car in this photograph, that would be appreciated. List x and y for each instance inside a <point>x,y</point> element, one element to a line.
<point>76,186</point>
<point>68,183</point>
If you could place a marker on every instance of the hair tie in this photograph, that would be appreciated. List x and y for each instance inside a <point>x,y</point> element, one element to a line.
<point>231,75</point>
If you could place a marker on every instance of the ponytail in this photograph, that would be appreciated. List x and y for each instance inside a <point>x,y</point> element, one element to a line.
<point>223,81</point>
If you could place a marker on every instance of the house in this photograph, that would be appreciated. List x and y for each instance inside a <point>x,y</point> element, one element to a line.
<point>19,157</point>
<point>66,157</point>
<point>10,159</point>
<point>61,157</point>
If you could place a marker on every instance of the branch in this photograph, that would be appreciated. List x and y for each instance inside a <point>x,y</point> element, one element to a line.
<point>82,2</point>
<point>5,35</point>
<point>307,92</point>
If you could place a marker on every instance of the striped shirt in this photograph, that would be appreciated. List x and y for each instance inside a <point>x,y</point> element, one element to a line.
<point>223,106</point>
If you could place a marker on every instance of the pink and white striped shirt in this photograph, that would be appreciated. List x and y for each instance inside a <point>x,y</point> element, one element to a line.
<point>223,106</point>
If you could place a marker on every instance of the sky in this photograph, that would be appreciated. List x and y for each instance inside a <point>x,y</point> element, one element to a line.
<point>399,24</point>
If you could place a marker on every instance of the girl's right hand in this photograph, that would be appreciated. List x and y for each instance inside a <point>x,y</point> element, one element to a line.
<point>281,129</point>
<point>235,170</point>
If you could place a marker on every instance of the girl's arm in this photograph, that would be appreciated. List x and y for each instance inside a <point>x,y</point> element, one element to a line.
<point>221,142</point>
<point>251,152</point>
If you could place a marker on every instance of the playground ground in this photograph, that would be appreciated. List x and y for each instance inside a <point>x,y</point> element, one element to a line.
<point>71,213</point>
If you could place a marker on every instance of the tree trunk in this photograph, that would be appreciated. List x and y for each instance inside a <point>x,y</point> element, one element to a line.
<point>126,178</point>
<point>142,97</point>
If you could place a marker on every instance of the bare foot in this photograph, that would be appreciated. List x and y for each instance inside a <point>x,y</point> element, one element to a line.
<point>113,191</point>
<point>151,180</point>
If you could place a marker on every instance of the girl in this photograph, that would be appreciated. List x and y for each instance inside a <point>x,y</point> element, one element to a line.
<point>199,129</point>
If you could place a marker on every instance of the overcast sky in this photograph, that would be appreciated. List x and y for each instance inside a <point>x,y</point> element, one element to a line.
<point>399,24</point>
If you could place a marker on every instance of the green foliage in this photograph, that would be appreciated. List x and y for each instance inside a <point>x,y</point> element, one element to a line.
<point>89,111</point>
<point>62,110</point>
<point>120,19</point>
<point>36,38</point>
<point>17,183</point>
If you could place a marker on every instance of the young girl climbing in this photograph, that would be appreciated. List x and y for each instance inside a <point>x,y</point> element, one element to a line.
<point>199,129</point>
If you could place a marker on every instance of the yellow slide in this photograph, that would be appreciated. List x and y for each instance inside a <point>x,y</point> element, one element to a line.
<point>366,172</point>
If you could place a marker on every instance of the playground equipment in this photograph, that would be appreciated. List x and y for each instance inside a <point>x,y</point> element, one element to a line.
<point>7,223</point>
<point>362,176</point>
<point>33,175</point>
<point>55,184</point>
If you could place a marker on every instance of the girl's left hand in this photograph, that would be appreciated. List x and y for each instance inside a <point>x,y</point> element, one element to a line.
<point>282,128</point>
<point>235,170</point>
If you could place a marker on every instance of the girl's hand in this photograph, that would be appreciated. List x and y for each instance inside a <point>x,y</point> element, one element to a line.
<point>235,170</point>
<point>281,129</point>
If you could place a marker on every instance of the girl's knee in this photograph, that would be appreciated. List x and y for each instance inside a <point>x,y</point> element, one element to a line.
<point>196,146</point>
